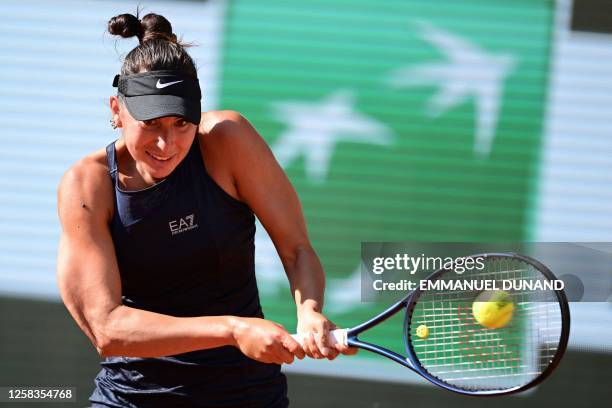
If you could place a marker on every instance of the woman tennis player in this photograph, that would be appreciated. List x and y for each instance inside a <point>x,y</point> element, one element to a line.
<point>156,258</point>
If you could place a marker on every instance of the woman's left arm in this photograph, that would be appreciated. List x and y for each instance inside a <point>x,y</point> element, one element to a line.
<point>261,183</point>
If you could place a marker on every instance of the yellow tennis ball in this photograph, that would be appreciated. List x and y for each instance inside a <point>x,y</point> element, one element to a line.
<point>493,309</point>
<point>422,331</point>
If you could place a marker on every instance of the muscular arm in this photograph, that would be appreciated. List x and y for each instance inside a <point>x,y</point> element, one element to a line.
<point>90,284</point>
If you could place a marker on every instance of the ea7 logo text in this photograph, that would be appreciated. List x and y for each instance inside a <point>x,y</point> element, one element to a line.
<point>182,224</point>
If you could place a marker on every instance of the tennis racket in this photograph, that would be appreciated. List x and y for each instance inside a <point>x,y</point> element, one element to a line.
<point>461,355</point>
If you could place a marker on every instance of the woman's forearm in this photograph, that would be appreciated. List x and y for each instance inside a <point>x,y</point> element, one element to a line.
<point>133,332</point>
<point>307,279</point>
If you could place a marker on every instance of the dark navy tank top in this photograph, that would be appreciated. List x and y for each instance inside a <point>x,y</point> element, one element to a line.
<point>185,248</point>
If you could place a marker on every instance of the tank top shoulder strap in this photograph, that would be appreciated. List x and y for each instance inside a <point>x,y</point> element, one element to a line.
<point>197,163</point>
<point>112,161</point>
<point>195,154</point>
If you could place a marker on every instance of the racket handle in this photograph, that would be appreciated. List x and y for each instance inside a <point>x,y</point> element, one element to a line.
<point>337,336</point>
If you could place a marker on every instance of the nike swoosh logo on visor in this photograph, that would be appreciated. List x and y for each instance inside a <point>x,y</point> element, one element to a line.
<point>159,85</point>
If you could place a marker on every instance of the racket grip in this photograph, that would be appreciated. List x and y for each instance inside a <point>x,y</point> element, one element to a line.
<point>337,336</point>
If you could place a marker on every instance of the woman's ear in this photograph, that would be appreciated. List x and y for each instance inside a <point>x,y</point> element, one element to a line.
<point>115,108</point>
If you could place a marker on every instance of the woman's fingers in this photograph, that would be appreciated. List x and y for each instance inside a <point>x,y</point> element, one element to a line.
<point>294,347</point>
<point>311,346</point>
<point>283,355</point>
<point>346,350</point>
<point>321,339</point>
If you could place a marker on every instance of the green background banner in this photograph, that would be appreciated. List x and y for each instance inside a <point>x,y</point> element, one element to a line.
<point>395,121</point>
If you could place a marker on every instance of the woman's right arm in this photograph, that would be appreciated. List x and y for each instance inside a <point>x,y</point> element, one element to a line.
<point>90,287</point>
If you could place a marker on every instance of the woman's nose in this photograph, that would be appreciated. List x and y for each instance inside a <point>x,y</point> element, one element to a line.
<point>164,142</point>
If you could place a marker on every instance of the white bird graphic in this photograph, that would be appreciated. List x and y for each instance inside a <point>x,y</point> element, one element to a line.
<point>314,129</point>
<point>469,72</point>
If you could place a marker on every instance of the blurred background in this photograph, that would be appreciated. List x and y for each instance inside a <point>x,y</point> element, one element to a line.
<point>405,120</point>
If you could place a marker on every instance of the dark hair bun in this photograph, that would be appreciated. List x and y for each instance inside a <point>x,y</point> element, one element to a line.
<point>159,48</point>
<point>151,27</point>
<point>156,26</point>
<point>125,25</point>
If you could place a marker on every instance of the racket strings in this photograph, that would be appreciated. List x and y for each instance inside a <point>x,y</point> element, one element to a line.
<point>465,354</point>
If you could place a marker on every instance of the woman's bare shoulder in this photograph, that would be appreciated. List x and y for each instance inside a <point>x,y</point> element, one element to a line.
<point>93,166</point>
<point>224,136</point>
<point>87,181</point>
<point>227,130</point>
<point>218,125</point>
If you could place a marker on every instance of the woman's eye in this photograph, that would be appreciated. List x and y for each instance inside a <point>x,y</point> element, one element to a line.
<point>149,122</point>
<point>181,123</point>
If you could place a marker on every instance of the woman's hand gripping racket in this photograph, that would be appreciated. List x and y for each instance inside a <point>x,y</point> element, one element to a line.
<point>475,342</point>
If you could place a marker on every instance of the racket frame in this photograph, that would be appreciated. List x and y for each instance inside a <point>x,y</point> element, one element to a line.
<point>411,361</point>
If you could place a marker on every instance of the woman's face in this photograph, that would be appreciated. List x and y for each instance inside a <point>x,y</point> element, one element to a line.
<point>158,145</point>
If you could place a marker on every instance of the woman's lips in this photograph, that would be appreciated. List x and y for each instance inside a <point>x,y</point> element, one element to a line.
<point>161,159</point>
